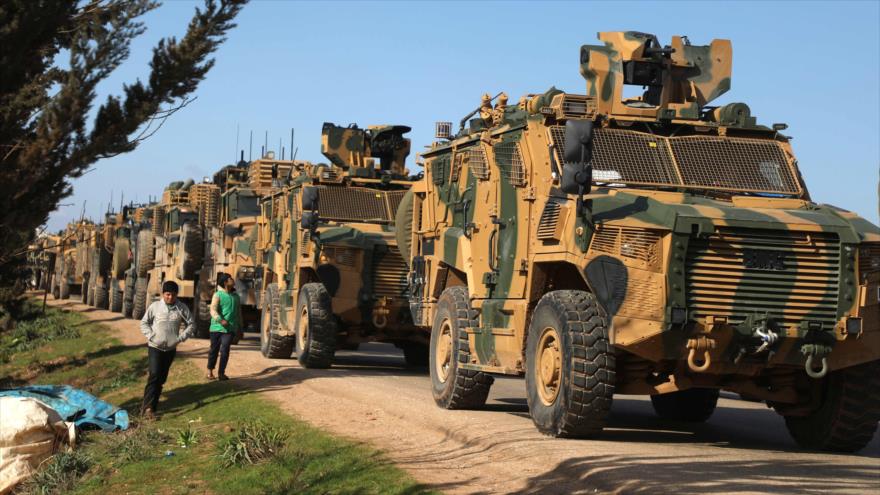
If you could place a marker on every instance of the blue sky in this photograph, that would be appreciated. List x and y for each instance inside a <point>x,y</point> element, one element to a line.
<point>813,65</point>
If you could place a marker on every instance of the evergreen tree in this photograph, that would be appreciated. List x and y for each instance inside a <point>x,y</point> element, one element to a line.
<point>53,54</point>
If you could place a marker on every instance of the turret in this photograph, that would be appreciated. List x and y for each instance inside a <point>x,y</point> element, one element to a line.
<point>356,150</point>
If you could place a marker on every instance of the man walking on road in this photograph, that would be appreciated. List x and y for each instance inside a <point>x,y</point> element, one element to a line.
<point>161,326</point>
<point>225,324</point>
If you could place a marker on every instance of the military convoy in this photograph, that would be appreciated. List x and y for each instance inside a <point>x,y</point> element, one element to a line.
<point>596,243</point>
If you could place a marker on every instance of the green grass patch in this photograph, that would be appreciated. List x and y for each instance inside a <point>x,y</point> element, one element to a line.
<point>212,437</point>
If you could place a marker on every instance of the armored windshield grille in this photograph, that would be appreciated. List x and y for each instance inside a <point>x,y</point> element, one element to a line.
<point>736,273</point>
<point>476,159</point>
<point>394,199</point>
<point>704,162</point>
<point>635,243</point>
<point>510,163</point>
<point>869,254</point>
<point>354,204</point>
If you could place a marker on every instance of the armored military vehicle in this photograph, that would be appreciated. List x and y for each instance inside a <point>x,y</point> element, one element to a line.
<point>601,244</point>
<point>142,254</point>
<point>177,248</point>
<point>70,260</point>
<point>232,236</point>
<point>333,276</point>
<point>99,255</point>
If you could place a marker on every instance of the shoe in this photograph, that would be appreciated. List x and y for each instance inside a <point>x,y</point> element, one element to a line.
<point>210,375</point>
<point>148,414</point>
<point>223,378</point>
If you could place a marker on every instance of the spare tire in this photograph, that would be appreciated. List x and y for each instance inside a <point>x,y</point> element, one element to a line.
<point>403,226</point>
<point>193,246</point>
<point>121,261</point>
<point>146,255</point>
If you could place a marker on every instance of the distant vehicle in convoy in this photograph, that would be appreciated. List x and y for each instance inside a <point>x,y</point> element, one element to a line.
<point>601,244</point>
<point>232,238</point>
<point>332,276</point>
<point>70,259</point>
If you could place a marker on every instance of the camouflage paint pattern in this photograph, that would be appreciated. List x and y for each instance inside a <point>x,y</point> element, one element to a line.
<point>673,246</point>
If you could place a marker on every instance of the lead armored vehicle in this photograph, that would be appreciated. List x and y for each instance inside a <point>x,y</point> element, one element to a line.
<point>602,245</point>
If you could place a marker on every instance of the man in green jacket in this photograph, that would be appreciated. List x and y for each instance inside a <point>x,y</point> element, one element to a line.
<point>225,324</point>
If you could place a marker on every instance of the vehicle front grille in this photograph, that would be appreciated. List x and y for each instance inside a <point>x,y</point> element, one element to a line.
<point>793,276</point>
<point>389,274</point>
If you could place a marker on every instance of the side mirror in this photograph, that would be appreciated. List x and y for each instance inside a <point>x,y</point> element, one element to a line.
<point>309,220</point>
<point>577,174</point>
<point>310,198</point>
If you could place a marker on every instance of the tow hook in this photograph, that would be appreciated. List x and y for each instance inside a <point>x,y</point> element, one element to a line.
<point>759,335</point>
<point>700,344</point>
<point>380,313</point>
<point>817,351</point>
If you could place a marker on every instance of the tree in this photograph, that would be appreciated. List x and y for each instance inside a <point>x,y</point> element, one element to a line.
<point>47,136</point>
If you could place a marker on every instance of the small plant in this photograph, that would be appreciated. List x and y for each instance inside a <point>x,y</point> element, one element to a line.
<point>58,474</point>
<point>139,444</point>
<point>187,437</point>
<point>254,442</point>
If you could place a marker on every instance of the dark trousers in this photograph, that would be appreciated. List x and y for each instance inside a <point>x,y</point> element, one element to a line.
<point>220,343</point>
<point>160,363</point>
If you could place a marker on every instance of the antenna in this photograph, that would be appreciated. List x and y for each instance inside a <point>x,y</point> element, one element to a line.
<point>291,140</point>
<point>266,144</point>
<point>282,152</point>
<point>237,131</point>
<point>251,150</point>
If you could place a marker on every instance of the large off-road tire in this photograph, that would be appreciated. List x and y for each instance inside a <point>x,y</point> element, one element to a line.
<point>192,242</point>
<point>64,289</point>
<point>416,354</point>
<point>146,255</point>
<point>115,296</point>
<point>315,327</point>
<point>569,365</point>
<point>694,405</point>
<point>203,318</point>
<point>272,343</point>
<point>85,289</point>
<point>139,304</point>
<point>56,292</point>
<point>452,386</point>
<point>848,411</point>
<point>403,222</point>
<point>102,296</point>
<point>128,294</point>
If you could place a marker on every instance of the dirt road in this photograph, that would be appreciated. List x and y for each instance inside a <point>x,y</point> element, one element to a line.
<point>370,397</point>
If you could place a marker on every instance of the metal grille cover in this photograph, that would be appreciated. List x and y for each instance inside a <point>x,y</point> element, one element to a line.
<point>389,274</point>
<point>549,220</point>
<point>639,244</point>
<point>476,159</point>
<point>803,287</point>
<point>704,162</point>
<point>353,204</point>
<point>509,161</point>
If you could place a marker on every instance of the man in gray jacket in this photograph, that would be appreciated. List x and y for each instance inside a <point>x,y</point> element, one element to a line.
<point>161,326</point>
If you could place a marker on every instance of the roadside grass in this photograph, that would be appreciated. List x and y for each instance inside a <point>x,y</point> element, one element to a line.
<point>211,438</point>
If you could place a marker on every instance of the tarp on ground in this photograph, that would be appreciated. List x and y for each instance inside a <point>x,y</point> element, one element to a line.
<point>74,405</point>
<point>30,432</point>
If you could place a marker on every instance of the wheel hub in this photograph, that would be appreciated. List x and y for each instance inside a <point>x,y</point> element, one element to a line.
<point>549,365</point>
<point>443,352</point>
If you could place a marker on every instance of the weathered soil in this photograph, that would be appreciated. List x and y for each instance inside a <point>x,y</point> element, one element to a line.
<point>370,396</point>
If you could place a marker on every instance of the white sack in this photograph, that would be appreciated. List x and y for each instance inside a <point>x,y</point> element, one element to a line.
<point>30,432</point>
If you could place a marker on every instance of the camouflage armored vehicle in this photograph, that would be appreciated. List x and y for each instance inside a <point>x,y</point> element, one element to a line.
<point>656,245</point>
<point>142,253</point>
<point>333,276</point>
<point>99,256</point>
<point>232,235</point>
<point>122,265</point>
<point>69,260</point>
<point>177,248</point>
<point>41,261</point>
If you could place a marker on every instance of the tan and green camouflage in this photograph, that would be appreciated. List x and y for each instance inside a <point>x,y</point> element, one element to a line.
<point>709,264</point>
<point>231,242</point>
<point>351,251</point>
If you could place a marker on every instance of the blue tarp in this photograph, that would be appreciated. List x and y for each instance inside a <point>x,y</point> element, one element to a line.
<point>82,408</point>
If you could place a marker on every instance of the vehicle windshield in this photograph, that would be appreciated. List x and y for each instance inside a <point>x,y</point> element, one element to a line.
<point>623,157</point>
